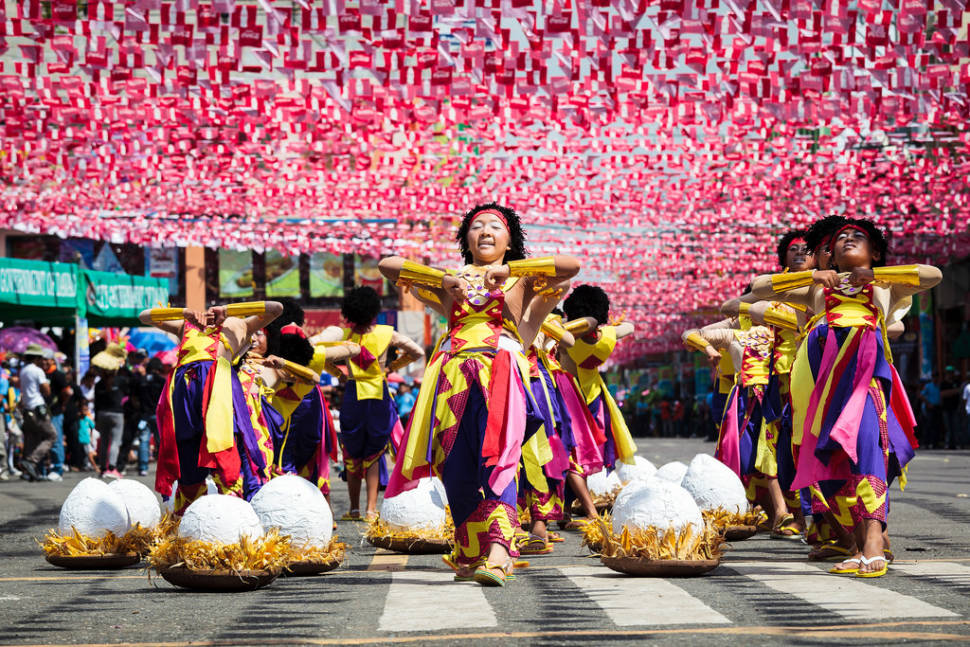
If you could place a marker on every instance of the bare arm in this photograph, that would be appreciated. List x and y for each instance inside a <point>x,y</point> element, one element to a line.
<point>174,318</point>
<point>257,322</point>
<point>442,286</point>
<point>411,351</point>
<point>328,334</point>
<point>895,330</point>
<point>623,329</point>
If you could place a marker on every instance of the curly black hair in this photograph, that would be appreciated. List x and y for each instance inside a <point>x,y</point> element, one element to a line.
<point>785,243</point>
<point>587,301</point>
<point>292,314</point>
<point>361,306</point>
<point>516,250</point>
<point>295,348</point>
<point>821,231</point>
<point>877,238</point>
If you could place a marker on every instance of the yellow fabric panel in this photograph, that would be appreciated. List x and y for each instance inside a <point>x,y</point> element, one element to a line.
<point>370,381</point>
<point>218,417</point>
<point>590,380</point>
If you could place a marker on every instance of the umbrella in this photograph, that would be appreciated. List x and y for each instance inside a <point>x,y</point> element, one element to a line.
<point>151,341</point>
<point>394,378</point>
<point>16,339</point>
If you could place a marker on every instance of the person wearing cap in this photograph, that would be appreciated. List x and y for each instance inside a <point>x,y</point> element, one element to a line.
<point>110,394</point>
<point>35,390</point>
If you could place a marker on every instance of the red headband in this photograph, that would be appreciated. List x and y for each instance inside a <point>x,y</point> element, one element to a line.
<point>797,240</point>
<point>494,212</point>
<point>844,227</point>
<point>293,329</point>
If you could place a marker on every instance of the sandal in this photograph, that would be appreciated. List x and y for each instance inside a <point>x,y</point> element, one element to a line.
<point>786,528</point>
<point>851,570</point>
<point>572,524</point>
<point>829,551</point>
<point>877,573</point>
<point>535,545</point>
<point>489,574</point>
<point>462,573</point>
<point>353,515</point>
<point>888,552</point>
<point>763,523</point>
<point>554,537</point>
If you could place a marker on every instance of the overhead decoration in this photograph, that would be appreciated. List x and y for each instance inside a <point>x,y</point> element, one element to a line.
<point>668,143</point>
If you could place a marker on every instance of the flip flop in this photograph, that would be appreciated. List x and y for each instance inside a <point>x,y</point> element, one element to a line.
<point>555,537</point>
<point>489,574</point>
<point>457,568</point>
<point>535,545</point>
<point>890,555</point>
<point>353,515</point>
<point>847,571</point>
<point>827,552</point>
<point>572,524</point>
<point>786,529</point>
<point>877,573</point>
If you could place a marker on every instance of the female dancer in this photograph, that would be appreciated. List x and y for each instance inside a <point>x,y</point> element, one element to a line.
<point>368,415</point>
<point>469,422</point>
<point>203,421</point>
<point>583,360</point>
<point>858,426</point>
<point>306,442</point>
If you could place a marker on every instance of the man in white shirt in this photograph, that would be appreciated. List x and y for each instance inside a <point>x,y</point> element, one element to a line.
<point>39,432</point>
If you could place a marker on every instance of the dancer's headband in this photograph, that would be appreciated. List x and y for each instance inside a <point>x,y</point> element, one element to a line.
<point>293,329</point>
<point>845,227</point>
<point>797,241</point>
<point>494,212</point>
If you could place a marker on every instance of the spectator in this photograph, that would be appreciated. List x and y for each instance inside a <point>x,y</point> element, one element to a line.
<point>39,432</point>
<point>404,401</point>
<point>950,407</point>
<point>61,393</point>
<point>109,400</point>
<point>149,392</point>
<point>4,389</point>
<point>86,435</point>
<point>930,401</point>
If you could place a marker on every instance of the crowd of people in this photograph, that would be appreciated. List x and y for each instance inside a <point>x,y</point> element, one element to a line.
<point>52,422</point>
<point>813,415</point>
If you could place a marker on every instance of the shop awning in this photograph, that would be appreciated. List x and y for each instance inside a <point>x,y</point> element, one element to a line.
<point>51,294</point>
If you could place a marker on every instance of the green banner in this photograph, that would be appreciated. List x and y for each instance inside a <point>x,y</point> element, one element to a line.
<point>37,283</point>
<point>326,274</point>
<point>235,273</point>
<point>45,291</point>
<point>121,296</point>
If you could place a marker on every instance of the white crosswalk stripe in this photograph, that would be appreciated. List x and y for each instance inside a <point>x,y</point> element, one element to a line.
<point>952,573</point>
<point>630,601</point>
<point>432,600</point>
<point>850,597</point>
<point>421,601</point>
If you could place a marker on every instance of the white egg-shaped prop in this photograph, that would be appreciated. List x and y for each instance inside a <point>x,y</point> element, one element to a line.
<point>436,488</point>
<point>140,501</point>
<point>630,489</point>
<point>220,519</point>
<point>714,485</point>
<point>93,509</point>
<point>292,504</point>
<point>412,510</point>
<point>602,484</point>
<point>658,503</point>
<point>673,471</point>
<point>640,470</point>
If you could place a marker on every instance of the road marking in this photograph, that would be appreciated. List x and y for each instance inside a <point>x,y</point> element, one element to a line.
<point>431,601</point>
<point>845,595</point>
<point>951,573</point>
<point>640,600</point>
<point>386,560</point>
<point>889,632</point>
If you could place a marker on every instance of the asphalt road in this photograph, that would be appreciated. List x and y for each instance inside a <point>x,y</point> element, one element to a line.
<point>764,592</point>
